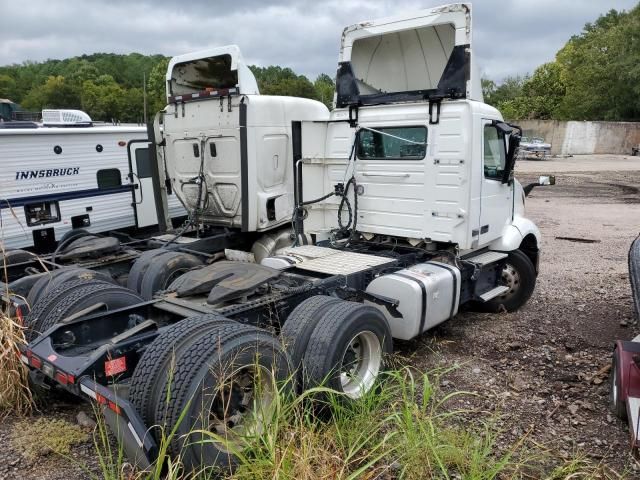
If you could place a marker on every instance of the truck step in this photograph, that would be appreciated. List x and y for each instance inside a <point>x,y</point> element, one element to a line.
<point>493,293</point>
<point>486,258</point>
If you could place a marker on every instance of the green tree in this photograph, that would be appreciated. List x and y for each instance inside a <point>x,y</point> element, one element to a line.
<point>601,69</point>
<point>55,93</point>
<point>509,89</point>
<point>156,89</point>
<point>103,99</point>
<point>324,87</point>
<point>274,80</point>
<point>8,87</point>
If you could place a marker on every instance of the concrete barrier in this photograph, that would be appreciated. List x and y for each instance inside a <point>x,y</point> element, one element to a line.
<point>581,138</point>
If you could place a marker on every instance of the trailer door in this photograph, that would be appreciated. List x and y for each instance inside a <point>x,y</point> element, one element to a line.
<point>144,200</point>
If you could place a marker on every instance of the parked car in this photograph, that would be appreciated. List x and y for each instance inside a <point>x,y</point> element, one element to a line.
<point>534,147</point>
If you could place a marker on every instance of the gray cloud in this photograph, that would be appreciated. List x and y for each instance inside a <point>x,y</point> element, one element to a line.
<point>509,37</point>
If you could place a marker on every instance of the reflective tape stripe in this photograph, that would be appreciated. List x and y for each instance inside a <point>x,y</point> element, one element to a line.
<point>135,435</point>
<point>88,391</point>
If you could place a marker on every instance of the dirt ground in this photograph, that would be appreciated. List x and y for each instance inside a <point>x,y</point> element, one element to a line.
<point>538,373</point>
<point>542,370</point>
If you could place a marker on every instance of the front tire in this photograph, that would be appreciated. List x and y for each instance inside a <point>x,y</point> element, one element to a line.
<point>519,274</point>
<point>616,404</point>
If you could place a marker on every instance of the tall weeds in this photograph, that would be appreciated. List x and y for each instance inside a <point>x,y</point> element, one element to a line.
<point>404,429</point>
<point>15,395</point>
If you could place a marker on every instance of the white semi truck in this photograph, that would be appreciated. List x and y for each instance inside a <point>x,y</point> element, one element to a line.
<point>383,217</point>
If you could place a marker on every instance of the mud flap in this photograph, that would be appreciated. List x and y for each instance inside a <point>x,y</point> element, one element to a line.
<point>126,440</point>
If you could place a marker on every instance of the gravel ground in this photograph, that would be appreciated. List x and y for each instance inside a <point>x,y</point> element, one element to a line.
<point>540,372</point>
<point>543,369</point>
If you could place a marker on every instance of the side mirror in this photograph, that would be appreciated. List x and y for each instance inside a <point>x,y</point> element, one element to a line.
<point>515,134</point>
<point>543,181</point>
<point>514,144</point>
<point>547,180</point>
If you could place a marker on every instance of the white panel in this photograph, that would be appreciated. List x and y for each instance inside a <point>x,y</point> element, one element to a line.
<point>416,57</point>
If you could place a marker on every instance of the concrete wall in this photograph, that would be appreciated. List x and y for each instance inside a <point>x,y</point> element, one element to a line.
<point>575,138</point>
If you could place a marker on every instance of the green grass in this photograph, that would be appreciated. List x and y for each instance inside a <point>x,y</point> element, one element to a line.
<point>45,436</point>
<point>404,429</point>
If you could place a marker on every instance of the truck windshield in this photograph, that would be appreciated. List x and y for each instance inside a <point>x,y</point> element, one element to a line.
<point>401,143</point>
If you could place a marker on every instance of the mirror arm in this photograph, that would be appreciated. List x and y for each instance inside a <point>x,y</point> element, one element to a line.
<point>527,188</point>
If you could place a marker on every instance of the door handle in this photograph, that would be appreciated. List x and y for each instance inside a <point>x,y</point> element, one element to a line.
<point>136,186</point>
<point>395,175</point>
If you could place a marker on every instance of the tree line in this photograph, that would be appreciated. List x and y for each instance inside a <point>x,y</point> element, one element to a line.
<point>109,87</point>
<point>594,76</point>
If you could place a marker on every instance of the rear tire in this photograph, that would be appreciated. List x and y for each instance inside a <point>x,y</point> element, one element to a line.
<point>299,327</point>
<point>54,279</point>
<point>163,270</point>
<point>616,404</point>
<point>519,274</point>
<point>72,297</point>
<point>347,349</point>
<point>140,267</point>
<point>158,360</point>
<point>213,388</point>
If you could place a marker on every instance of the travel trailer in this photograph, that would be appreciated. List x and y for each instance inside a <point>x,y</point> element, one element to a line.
<point>69,174</point>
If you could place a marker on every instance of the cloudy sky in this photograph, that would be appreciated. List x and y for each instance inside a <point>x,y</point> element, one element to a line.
<point>511,37</point>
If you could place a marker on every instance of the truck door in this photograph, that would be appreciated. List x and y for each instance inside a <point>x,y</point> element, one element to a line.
<point>144,200</point>
<point>496,205</point>
<point>390,171</point>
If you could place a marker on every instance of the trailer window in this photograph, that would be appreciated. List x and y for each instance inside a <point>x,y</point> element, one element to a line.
<point>389,143</point>
<point>109,178</point>
<point>143,164</point>
<point>494,153</point>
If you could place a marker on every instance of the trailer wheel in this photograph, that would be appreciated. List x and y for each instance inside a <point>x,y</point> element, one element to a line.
<point>156,361</point>
<point>347,349</point>
<point>72,297</point>
<point>51,280</point>
<point>519,275</point>
<point>12,257</point>
<point>43,305</point>
<point>224,383</point>
<point>616,404</point>
<point>298,328</point>
<point>164,269</point>
<point>140,267</point>
<point>23,286</point>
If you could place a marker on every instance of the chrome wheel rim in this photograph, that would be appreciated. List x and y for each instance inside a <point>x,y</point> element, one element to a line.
<point>614,386</point>
<point>511,279</point>
<point>360,364</point>
<point>241,407</point>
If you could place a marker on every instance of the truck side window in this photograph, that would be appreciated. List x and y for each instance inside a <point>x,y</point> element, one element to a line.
<point>392,143</point>
<point>494,153</point>
<point>109,178</point>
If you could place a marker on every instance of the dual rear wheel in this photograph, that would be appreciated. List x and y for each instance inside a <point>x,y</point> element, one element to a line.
<point>208,384</point>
